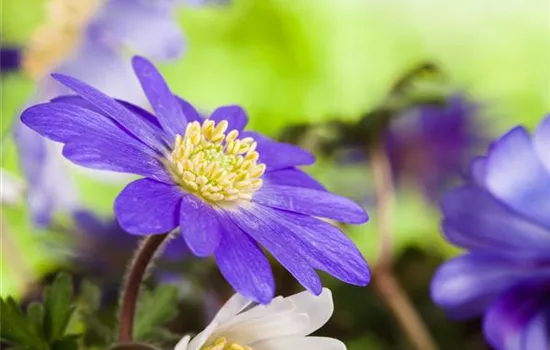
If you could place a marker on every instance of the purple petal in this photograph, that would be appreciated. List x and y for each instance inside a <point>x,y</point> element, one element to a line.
<point>292,177</point>
<point>189,111</point>
<point>143,130</point>
<point>96,152</point>
<point>199,225</point>
<point>146,27</point>
<point>235,116</point>
<point>311,202</point>
<point>466,285</point>
<point>79,101</point>
<point>244,265</point>
<point>324,246</point>
<point>516,176</point>
<point>518,319</point>
<point>478,170</point>
<point>537,333</point>
<point>147,206</point>
<point>166,107</point>
<point>277,155</point>
<point>541,142</point>
<point>280,242</point>
<point>62,122</point>
<point>474,219</point>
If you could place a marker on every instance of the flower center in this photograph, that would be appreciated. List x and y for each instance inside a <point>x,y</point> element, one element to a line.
<point>223,344</point>
<point>216,165</point>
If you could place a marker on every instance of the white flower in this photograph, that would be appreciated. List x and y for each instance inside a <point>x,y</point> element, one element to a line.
<point>283,324</point>
<point>11,188</point>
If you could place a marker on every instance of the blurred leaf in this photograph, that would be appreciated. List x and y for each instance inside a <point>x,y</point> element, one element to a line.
<point>155,309</point>
<point>35,315</point>
<point>91,293</point>
<point>97,331</point>
<point>58,307</point>
<point>17,329</point>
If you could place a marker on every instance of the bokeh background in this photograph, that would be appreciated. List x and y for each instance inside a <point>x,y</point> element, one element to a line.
<point>333,76</point>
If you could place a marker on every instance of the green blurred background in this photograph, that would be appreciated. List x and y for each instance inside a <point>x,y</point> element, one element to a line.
<point>309,62</point>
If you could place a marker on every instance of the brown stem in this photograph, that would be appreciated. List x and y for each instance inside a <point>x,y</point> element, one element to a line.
<point>142,258</point>
<point>384,281</point>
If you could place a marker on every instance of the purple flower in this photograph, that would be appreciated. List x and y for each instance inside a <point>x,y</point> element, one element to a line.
<point>232,190</point>
<point>431,145</point>
<point>100,59</point>
<point>503,218</point>
<point>10,58</point>
<point>104,248</point>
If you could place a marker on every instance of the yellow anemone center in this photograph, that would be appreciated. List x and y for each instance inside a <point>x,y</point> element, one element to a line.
<point>223,344</point>
<point>216,165</point>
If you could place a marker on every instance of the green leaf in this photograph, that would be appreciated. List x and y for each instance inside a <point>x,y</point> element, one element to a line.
<point>99,332</point>
<point>91,294</point>
<point>155,309</point>
<point>57,306</point>
<point>35,315</point>
<point>17,329</point>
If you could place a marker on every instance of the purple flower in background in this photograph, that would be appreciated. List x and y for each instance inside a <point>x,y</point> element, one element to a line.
<point>232,190</point>
<point>104,248</point>
<point>503,218</point>
<point>99,58</point>
<point>10,59</point>
<point>431,145</point>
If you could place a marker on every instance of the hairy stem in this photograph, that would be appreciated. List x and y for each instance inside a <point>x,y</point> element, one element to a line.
<point>136,272</point>
<point>384,281</point>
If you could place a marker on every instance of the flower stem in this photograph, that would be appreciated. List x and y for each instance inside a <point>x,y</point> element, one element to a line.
<point>384,281</point>
<point>136,271</point>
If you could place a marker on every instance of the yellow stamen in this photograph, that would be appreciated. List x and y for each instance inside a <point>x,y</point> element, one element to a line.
<point>215,165</point>
<point>223,344</point>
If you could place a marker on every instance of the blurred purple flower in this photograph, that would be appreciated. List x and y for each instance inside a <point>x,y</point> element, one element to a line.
<point>231,189</point>
<point>503,218</point>
<point>10,58</point>
<point>100,59</point>
<point>431,145</point>
<point>105,248</point>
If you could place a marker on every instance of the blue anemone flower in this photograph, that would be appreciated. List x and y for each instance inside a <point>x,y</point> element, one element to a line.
<point>431,145</point>
<point>503,219</point>
<point>228,190</point>
<point>104,248</point>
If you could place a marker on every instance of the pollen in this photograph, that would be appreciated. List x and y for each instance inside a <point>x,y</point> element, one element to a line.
<point>223,344</point>
<point>215,164</point>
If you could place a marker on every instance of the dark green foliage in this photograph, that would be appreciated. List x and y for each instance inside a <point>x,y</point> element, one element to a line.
<point>155,309</point>
<point>45,324</point>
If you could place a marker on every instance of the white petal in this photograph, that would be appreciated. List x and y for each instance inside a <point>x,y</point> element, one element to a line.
<point>232,307</point>
<point>278,305</point>
<point>318,308</point>
<point>256,329</point>
<point>203,337</point>
<point>182,344</point>
<point>317,343</point>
